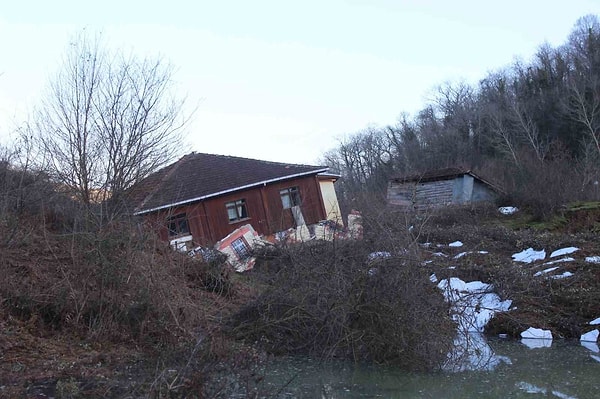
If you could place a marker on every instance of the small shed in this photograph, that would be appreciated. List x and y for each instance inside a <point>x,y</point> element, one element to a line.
<point>440,188</point>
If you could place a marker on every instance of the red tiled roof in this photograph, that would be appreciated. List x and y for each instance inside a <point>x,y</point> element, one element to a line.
<point>197,176</point>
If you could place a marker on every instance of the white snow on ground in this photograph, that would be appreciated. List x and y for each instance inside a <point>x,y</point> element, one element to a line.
<point>439,254</point>
<point>507,210</point>
<point>536,333</point>
<point>592,346</point>
<point>551,269</point>
<point>529,255</point>
<point>378,255</point>
<point>563,251</point>
<point>433,278</point>
<point>596,358</point>
<point>595,322</point>
<point>562,260</point>
<point>460,255</point>
<point>590,336</point>
<point>455,244</point>
<point>592,259</point>
<point>473,303</point>
<point>564,275</point>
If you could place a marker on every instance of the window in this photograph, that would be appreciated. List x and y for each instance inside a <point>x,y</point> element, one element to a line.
<point>241,248</point>
<point>290,197</point>
<point>178,225</point>
<point>236,210</point>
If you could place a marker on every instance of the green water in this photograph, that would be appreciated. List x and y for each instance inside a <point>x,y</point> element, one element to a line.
<point>496,369</point>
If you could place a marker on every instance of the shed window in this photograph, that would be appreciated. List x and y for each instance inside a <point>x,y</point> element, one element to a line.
<point>178,225</point>
<point>236,210</point>
<point>241,248</point>
<point>290,197</point>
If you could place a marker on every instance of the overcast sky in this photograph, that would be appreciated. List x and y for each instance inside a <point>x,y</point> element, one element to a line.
<point>283,80</point>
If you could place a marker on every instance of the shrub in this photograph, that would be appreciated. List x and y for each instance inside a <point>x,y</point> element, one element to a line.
<point>327,299</point>
<point>112,283</point>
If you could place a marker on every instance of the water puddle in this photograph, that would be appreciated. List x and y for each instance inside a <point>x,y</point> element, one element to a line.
<point>496,368</point>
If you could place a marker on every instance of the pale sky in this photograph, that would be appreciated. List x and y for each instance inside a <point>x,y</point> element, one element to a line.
<point>283,80</point>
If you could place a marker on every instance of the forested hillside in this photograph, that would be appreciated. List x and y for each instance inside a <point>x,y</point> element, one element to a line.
<point>533,126</point>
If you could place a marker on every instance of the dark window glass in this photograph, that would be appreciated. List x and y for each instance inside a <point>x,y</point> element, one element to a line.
<point>178,225</point>
<point>290,197</point>
<point>236,210</point>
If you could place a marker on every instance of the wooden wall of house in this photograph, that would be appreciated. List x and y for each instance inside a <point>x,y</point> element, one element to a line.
<point>421,195</point>
<point>311,203</point>
<point>435,193</point>
<point>209,222</point>
<point>438,193</point>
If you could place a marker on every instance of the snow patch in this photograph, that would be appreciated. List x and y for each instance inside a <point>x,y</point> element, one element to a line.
<point>433,278</point>
<point>536,333</point>
<point>592,346</point>
<point>561,276</point>
<point>590,336</point>
<point>455,244</point>
<point>460,255</point>
<point>595,322</point>
<point>551,269</point>
<point>563,251</point>
<point>473,303</point>
<point>592,259</point>
<point>378,255</point>
<point>562,260</point>
<point>508,210</point>
<point>529,255</point>
<point>596,358</point>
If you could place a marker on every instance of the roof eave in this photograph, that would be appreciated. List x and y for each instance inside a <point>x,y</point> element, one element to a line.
<point>231,190</point>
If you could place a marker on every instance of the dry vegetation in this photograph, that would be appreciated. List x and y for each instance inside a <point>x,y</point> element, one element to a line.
<point>94,309</point>
<point>330,299</point>
<point>91,309</point>
<point>564,306</point>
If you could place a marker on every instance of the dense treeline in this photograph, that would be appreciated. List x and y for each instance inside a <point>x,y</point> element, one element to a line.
<point>534,127</point>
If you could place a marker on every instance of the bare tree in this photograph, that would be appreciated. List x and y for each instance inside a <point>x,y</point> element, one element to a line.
<point>108,121</point>
<point>583,104</point>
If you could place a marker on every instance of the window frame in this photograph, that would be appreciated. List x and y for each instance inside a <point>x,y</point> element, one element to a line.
<point>240,207</point>
<point>241,248</point>
<point>178,225</point>
<point>293,197</point>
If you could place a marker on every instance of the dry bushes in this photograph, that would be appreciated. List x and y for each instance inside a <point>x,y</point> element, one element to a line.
<point>108,284</point>
<point>328,299</point>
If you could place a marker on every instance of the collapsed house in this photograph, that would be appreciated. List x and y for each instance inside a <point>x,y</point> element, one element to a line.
<point>203,198</point>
